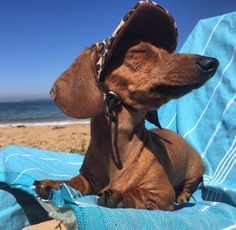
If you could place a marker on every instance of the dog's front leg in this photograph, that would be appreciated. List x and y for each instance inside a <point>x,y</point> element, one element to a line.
<point>44,187</point>
<point>138,198</point>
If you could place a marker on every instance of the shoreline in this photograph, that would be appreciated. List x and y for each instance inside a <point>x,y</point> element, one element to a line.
<point>46,123</point>
<point>59,136</point>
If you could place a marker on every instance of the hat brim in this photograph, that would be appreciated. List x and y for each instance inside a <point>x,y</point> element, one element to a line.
<point>146,21</point>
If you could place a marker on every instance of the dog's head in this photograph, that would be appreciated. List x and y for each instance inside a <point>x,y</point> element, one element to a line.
<point>148,77</point>
<point>145,77</point>
<point>136,63</point>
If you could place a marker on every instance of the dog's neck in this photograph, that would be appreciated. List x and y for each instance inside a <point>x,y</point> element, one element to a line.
<point>112,145</point>
<point>122,134</point>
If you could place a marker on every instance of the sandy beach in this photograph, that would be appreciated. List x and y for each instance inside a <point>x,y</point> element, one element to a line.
<point>66,138</point>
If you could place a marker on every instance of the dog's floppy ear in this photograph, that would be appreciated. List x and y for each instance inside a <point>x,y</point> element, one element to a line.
<point>76,92</point>
<point>152,117</point>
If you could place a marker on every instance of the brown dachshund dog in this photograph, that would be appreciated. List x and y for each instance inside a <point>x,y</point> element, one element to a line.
<point>126,164</point>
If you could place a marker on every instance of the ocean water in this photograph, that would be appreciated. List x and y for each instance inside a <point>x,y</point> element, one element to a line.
<point>37,112</point>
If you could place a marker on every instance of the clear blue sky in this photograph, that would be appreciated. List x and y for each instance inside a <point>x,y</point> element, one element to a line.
<point>40,38</point>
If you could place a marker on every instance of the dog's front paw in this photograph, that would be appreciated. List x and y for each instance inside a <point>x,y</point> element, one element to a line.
<point>183,197</point>
<point>44,187</point>
<point>111,199</point>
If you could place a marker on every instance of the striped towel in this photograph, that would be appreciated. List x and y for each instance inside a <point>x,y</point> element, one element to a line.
<point>205,118</point>
<point>20,166</point>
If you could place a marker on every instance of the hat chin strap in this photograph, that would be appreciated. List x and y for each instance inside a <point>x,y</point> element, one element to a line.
<point>111,101</point>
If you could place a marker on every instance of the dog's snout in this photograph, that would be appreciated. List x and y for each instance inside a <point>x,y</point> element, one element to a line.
<point>53,92</point>
<point>208,63</point>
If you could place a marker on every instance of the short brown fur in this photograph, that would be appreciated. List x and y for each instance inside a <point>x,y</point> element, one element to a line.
<point>128,165</point>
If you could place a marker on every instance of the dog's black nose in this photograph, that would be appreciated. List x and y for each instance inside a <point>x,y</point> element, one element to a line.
<point>208,63</point>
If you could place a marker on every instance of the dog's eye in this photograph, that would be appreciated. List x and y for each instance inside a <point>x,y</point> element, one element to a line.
<point>138,50</point>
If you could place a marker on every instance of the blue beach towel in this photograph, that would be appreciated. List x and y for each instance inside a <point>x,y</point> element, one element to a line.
<point>21,166</point>
<point>205,118</point>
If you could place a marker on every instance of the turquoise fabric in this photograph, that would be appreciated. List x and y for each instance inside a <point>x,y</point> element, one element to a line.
<point>24,165</point>
<point>19,167</point>
<point>205,118</point>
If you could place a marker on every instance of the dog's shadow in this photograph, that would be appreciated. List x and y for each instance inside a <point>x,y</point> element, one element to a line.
<point>31,208</point>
